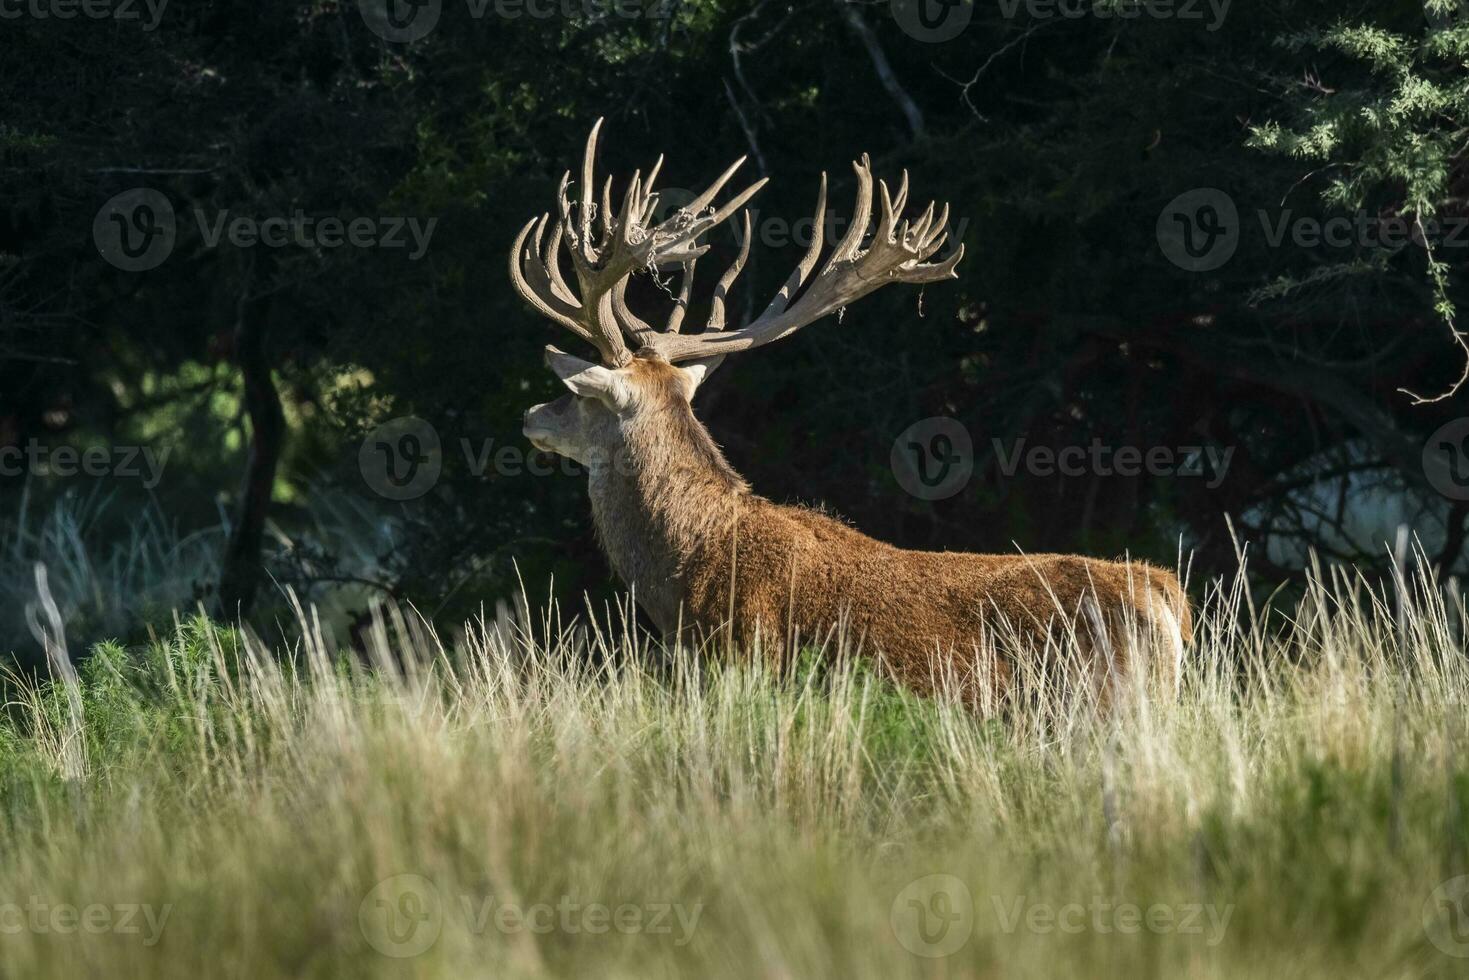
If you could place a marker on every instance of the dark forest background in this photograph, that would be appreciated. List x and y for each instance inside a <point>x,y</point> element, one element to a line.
<point>1060,141</point>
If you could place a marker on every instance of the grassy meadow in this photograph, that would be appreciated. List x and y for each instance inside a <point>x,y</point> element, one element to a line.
<point>545,794</point>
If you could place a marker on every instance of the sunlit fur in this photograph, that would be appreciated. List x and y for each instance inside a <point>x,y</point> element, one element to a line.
<point>701,551</point>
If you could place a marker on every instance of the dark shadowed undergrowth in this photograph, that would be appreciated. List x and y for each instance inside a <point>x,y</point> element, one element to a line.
<point>549,796</point>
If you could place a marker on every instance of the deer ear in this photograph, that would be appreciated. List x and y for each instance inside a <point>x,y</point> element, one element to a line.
<point>696,372</point>
<point>588,380</point>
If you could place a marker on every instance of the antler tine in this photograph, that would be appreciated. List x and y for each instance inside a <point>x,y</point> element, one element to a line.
<point>927,240</point>
<point>934,271</point>
<point>920,228</point>
<point>607,214</point>
<point>722,288</point>
<point>626,320</point>
<point>685,236</point>
<point>538,272</point>
<point>597,311</point>
<point>861,215</point>
<point>631,229</point>
<point>703,200</point>
<point>584,217</point>
<point>895,254</point>
<point>535,262</point>
<point>563,205</point>
<point>653,174</point>
<point>681,304</point>
<point>550,260</point>
<point>885,226</point>
<point>901,201</point>
<point>526,265</point>
<point>614,349</point>
<point>581,256</point>
<point>726,281</point>
<point>803,269</point>
<point>939,232</point>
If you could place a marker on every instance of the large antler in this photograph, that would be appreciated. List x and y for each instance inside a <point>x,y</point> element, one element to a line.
<point>897,252</point>
<point>603,263</point>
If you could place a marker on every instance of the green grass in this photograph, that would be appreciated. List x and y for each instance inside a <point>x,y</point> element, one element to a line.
<point>498,806</point>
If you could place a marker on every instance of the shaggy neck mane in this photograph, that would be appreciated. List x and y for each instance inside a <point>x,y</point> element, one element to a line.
<point>669,492</point>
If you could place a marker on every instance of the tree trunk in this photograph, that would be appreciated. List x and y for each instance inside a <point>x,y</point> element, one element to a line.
<point>242,571</point>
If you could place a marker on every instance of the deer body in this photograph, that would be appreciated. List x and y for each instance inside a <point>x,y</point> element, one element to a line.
<point>703,553</point>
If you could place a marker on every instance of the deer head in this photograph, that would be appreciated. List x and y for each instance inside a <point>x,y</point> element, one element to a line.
<point>607,248</point>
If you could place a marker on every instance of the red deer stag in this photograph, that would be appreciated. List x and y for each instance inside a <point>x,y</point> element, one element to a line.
<point>700,551</point>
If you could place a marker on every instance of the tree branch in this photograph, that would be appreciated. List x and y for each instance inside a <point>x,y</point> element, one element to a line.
<point>884,68</point>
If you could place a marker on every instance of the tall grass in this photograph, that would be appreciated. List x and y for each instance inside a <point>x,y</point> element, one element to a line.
<point>541,796</point>
<point>116,566</point>
<point>106,581</point>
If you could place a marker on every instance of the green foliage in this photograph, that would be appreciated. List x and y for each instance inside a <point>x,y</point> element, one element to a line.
<point>1391,137</point>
